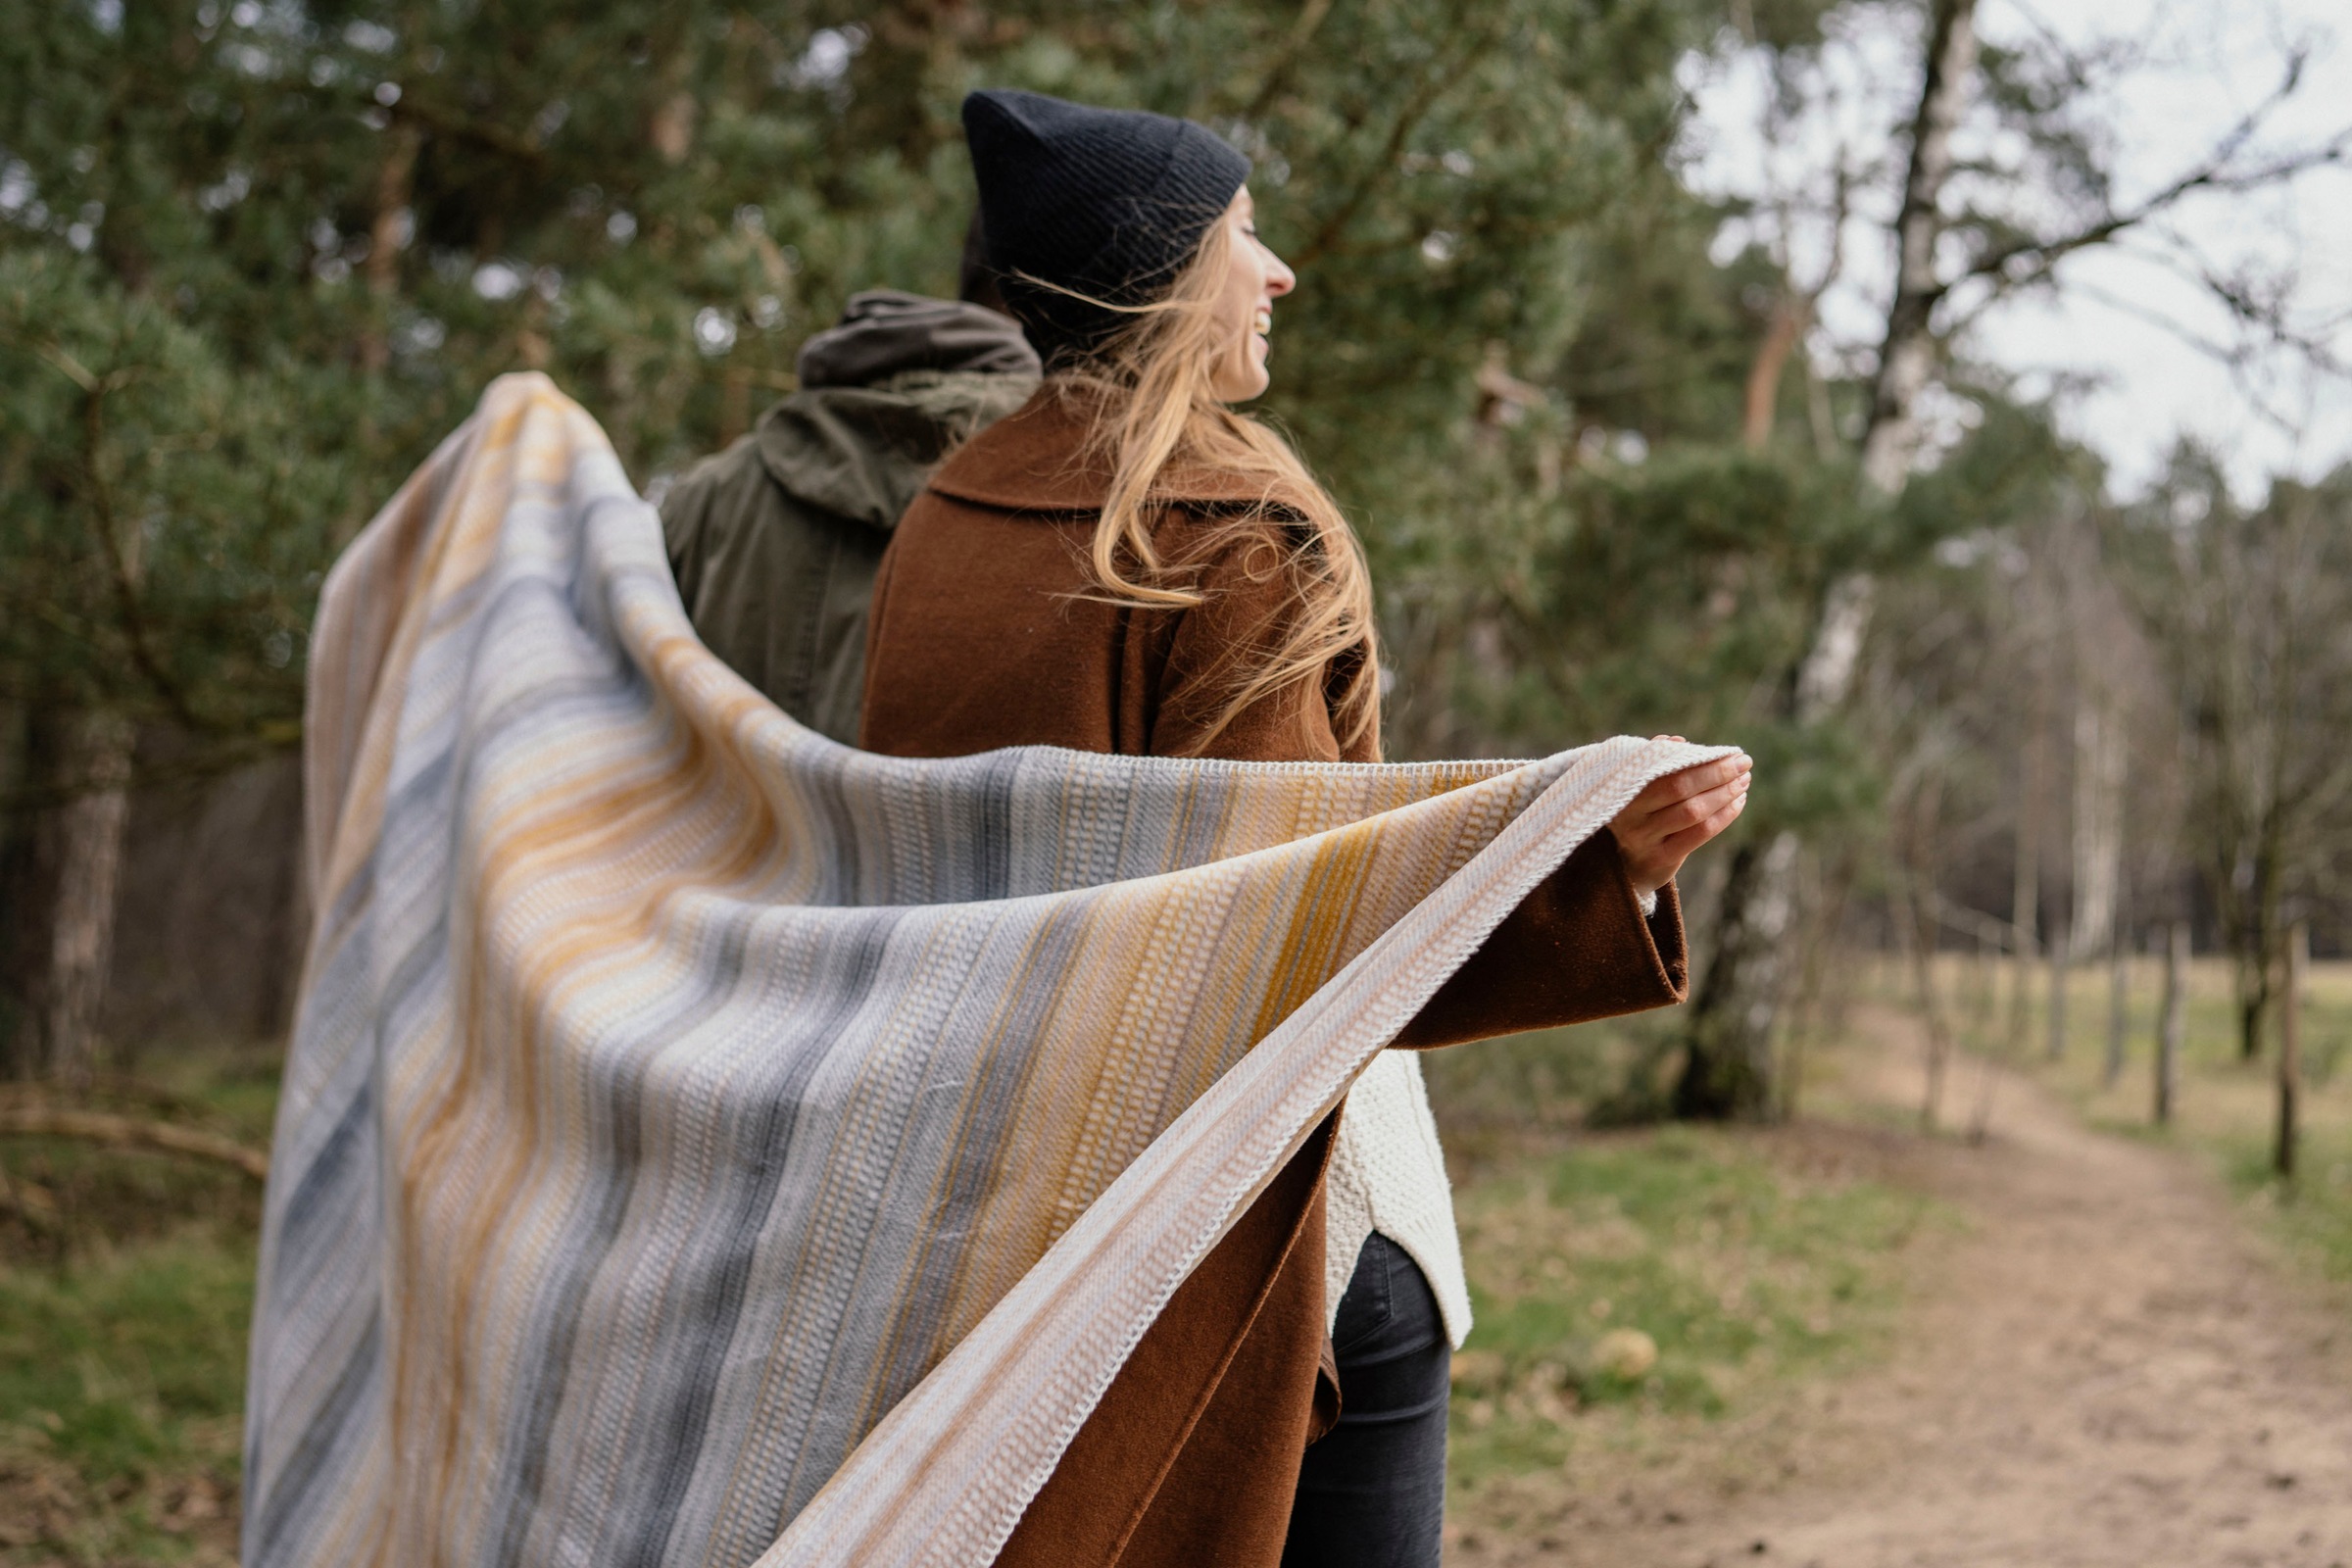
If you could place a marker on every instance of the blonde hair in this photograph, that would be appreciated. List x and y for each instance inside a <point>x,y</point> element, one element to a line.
<point>1151,404</point>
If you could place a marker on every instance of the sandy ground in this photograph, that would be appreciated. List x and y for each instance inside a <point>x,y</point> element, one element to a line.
<point>2105,1369</point>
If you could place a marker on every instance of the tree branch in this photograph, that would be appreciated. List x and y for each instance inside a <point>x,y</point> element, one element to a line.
<point>440,122</point>
<point>1277,74</point>
<point>1407,119</point>
<point>2233,359</point>
<point>128,1132</point>
<point>2212,173</point>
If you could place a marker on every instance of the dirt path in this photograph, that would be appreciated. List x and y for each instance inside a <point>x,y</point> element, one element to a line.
<point>2104,1372</point>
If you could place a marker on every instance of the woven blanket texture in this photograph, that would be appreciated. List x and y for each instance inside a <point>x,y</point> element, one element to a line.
<point>706,1143</point>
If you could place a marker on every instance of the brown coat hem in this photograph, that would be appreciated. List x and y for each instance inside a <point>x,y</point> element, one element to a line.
<point>1106,1488</point>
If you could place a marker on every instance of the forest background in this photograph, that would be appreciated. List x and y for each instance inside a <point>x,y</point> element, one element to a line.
<point>1614,470</point>
<point>1634,446</point>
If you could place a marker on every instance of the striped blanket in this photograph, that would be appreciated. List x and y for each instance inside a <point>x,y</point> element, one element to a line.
<point>706,1143</point>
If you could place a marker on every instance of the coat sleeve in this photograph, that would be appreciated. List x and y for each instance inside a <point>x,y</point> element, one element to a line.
<point>1576,949</point>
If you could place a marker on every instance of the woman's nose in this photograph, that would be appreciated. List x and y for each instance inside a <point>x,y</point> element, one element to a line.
<point>1280,279</point>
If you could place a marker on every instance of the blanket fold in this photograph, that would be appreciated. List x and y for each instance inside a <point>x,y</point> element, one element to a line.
<point>703,1142</point>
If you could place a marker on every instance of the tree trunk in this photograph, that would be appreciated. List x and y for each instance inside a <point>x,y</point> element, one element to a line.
<point>2025,889</point>
<point>1729,1033</point>
<point>2057,998</point>
<point>81,939</point>
<point>2175,1027</point>
<point>2119,998</point>
<point>2290,1049</point>
<point>1727,1069</point>
<point>1780,336</point>
<point>2253,1004</point>
<point>1985,1006</point>
<point>1918,934</point>
<point>2098,825</point>
<point>2253,931</point>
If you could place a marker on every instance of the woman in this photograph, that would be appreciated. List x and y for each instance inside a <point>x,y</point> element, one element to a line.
<point>1126,565</point>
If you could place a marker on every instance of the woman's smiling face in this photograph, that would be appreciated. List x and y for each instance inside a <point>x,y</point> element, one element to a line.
<point>1255,280</point>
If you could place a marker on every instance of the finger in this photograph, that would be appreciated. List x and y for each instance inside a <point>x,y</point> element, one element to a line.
<point>1665,808</point>
<point>1641,836</point>
<point>1655,825</point>
<point>1692,780</point>
<point>1677,833</point>
<point>1677,846</point>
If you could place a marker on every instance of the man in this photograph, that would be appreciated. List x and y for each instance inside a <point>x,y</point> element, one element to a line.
<point>774,541</point>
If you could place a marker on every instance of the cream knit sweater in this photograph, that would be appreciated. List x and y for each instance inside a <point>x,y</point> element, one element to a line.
<point>1388,1174</point>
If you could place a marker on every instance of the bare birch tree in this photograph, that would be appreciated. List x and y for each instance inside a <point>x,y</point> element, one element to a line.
<point>2252,609</point>
<point>2098,821</point>
<point>1958,253</point>
<point>1729,1064</point>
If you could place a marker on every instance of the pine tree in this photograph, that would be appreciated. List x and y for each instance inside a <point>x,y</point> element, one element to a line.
<point>256,257</point>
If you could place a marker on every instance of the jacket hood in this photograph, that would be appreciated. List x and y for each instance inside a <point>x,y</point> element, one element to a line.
<point>899,384</point>
<point>885,333</point>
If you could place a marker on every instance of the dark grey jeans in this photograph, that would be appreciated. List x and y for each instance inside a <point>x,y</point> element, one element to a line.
<point>1372,1492</point>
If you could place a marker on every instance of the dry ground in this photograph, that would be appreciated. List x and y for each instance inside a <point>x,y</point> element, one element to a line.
<point>2105,1369</point>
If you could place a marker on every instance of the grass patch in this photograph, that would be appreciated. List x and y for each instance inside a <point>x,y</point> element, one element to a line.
<point>2312,1215</point>
<point>122,1337</point>
<point>1675,1271</point>
<point>122,1378</point>
<point>124,1362</point>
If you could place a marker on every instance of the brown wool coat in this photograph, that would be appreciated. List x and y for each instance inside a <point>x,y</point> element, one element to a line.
<point>976,642</point>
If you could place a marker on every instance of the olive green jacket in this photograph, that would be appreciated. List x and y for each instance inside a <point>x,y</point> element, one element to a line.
<point>774,541</point>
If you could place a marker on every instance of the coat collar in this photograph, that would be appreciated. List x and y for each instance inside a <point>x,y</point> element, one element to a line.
<point>1034,460</point>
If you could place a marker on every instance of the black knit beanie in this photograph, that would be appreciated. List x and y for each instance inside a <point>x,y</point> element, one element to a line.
<point>1109,202</point>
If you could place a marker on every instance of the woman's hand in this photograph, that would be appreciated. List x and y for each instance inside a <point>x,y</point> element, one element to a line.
<point>1677,814</point>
